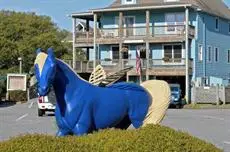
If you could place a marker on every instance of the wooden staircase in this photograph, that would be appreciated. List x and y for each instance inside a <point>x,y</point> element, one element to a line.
<point>99,78</point>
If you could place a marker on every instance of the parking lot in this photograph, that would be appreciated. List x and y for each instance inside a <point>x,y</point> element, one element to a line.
<point>210,125</point>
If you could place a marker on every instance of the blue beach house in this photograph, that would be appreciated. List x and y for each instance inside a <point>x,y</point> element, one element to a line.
<point>180,41</point>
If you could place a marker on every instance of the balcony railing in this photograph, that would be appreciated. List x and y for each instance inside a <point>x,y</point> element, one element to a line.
<point>115,65</point>
<point>135,32</point>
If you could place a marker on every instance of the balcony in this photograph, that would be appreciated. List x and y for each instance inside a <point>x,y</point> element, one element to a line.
<point>161,67</point>
<point>157,34</point>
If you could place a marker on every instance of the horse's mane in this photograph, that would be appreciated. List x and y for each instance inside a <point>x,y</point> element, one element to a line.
<point>41,59</point>
<point>71,69</point>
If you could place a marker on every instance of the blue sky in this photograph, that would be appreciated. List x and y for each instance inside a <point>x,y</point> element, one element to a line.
<point>57,9</point>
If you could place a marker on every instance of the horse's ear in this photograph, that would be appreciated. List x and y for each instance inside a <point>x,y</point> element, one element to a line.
<point>50,53</point>
<point>39,50</point>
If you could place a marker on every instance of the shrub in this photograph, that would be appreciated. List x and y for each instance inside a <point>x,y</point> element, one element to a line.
<point>18,96</point>
<point>150,138</point>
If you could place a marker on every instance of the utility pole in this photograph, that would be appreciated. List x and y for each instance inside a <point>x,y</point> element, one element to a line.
<point>20,65</point>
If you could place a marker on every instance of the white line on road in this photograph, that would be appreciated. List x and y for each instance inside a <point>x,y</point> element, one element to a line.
<point>31,104</point>
<point>211,117</point>
<point>23,116</point>
<point>227,142</point>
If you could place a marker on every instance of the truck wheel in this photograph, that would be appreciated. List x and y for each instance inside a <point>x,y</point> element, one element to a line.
<point>178,106</point>
<point>40,112</point>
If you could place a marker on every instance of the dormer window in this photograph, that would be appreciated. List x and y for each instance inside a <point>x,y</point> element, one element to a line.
<point>171,0</point>
<point>128,1</point>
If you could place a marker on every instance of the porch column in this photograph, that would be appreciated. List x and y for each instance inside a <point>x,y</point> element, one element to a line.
<point>87,25</point>
<point>94,39</point>
<point>147,43</point>
<point>74,40</point>
<point>120,35</point>
<point>87,54</point>
<point>120,24</point>
<point>147,23</point>
<point>187,56</point>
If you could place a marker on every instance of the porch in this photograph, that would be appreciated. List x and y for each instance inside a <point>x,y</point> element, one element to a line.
<point>157,67</point>
<point>156,34</point>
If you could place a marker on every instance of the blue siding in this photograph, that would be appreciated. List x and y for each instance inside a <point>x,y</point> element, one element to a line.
<point>108,20</point>
<point>156,51</point>
<point>208,36</point>
<point>105,52</point>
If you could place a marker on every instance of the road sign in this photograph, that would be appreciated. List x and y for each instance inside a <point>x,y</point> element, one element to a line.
<point>16,82</point>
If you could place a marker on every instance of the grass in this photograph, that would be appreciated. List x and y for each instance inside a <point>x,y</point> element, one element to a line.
<point>150,138</point>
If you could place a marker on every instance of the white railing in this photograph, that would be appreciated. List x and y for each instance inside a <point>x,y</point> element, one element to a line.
<point>115,65</point>
<point>154,31</point>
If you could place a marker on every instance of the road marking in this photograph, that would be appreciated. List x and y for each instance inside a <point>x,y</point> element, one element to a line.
<point>31,104</point>
<point>227,142</point>
<point>211,117</point>
<point>23,116</point>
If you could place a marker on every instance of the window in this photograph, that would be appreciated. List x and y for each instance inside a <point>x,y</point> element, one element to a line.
<point>216,55</point>
<point>217,24</point>
<point>173,21</point>
<point>209,54</point>
<point>200,53</point>
<point>173,53</point>
<point>128,1</point>
<point>228,56</point>
<point>168,52</point>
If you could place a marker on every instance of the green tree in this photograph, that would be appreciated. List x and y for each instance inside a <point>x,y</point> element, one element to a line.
<point>22,33</point>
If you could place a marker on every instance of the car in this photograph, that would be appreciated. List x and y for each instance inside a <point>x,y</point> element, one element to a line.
<point>45,104</point>
<point>175,96</point>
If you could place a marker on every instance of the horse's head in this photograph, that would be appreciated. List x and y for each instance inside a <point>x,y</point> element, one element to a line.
<point>45,69</point>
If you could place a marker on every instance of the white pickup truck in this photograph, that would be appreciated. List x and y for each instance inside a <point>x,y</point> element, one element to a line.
<point>44,104</point>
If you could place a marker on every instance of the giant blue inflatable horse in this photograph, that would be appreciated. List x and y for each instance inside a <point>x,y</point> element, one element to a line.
<point>82,107</point>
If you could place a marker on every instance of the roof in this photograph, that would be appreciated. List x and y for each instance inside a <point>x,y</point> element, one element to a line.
<point>214,7</point>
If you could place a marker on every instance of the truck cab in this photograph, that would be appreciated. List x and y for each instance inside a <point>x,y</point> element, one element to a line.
<point>175,95</point>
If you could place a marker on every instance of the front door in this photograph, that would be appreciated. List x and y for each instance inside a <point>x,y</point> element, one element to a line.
<point>115,52</point>
<point>129,26</point>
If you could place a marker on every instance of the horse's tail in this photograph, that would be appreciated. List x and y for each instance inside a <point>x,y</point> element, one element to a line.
<point>160,93</point>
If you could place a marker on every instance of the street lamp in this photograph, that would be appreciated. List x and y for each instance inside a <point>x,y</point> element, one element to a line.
<point>20,64</point>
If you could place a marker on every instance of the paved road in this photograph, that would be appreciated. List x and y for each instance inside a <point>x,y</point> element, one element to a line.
<point>22,119</point>
<point>210,125</point>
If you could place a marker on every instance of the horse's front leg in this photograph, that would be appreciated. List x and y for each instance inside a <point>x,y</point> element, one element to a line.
<point>62,132</point>
<point>83,125</point>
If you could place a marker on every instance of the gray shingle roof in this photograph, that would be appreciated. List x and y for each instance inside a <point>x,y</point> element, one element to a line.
<point>215,7</point>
